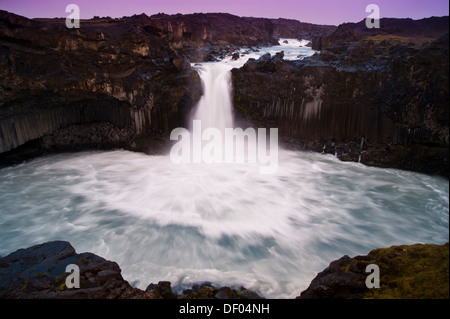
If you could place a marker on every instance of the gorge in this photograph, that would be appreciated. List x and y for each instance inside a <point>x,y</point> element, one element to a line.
<point>373,87</point>
<point>116,89</point>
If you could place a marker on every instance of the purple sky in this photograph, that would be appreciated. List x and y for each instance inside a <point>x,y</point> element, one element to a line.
<point>314,11</point>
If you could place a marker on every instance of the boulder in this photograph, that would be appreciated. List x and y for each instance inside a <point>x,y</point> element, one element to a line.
<point>40,272</point>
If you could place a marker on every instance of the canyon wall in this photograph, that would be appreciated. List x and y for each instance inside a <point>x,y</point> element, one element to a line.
<point>124,82</point>
<point>380,103</point>
<point>200,34</point>
<point>379,96</point>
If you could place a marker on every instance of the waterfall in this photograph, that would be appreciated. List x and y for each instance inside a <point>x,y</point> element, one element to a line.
<point>215,108</point>
<point>214,140</point>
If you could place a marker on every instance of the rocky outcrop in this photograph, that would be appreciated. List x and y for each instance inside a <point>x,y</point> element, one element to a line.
<point>201,36</point>
<point>406,272</point>
<point>427,29</point>
<point>114,82</point>
<point>128,82</point>
<point>59,85</point>
<point>39,272</point>
<point>381,103</point>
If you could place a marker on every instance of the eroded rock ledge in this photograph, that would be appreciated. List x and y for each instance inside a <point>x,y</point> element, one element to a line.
<point>38,272</point>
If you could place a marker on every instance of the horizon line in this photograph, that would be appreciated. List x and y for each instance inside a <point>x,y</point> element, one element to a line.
<point>205,13</point>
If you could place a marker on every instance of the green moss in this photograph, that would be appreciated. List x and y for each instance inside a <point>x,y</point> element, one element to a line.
<point>412,272</point>
<point>24,287</point>
<point>238,104</point>
<point>62,287</point>
<point>206,292</point>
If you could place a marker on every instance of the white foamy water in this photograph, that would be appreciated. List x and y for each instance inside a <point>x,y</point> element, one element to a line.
<point>226,223</point>
<point>215,106</point>
<point>223,223</point>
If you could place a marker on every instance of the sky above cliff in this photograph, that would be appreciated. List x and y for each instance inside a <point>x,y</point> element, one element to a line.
<point>317,11</point>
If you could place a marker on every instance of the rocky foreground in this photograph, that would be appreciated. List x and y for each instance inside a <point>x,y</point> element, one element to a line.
<point>38,272</point>
<point>406,272</point>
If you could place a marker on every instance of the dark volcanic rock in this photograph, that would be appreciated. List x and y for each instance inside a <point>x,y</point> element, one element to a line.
<point>164,290</point>
<point>118,82</point>
<point>405,272</point>
<point>191,33</point>
<point>382,104</point>
<point>335,282</point>
<point>224,293</point>
<point>125,81</point>
<point>390,28</point>
<point>39,272</point>
<point>235,56</point>
<point>208,291</point>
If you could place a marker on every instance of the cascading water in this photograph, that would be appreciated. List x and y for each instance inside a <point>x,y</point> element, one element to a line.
<point>215,107</point>
<point>223,223</point>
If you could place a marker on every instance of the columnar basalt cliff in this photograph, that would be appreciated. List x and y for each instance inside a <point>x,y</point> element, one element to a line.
<point>379,101</point>
<point>39,272</point>
<point>377,96</point>
<point>202,36</point>
<point>121,76</point>
<point>114,82</point>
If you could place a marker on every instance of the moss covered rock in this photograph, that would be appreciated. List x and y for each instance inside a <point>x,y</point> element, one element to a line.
<point>406,272</point>
<point>417,271</point>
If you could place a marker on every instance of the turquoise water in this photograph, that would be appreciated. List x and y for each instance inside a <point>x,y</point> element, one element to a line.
<point>223,223</point>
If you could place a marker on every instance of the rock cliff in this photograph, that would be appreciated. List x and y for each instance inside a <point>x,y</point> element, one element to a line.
<point>378,101</point>
<point>408,271</point>
<point>405,272</point>
<point>376,96</point>
<point>427,29</point>
<point>114,82</point>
